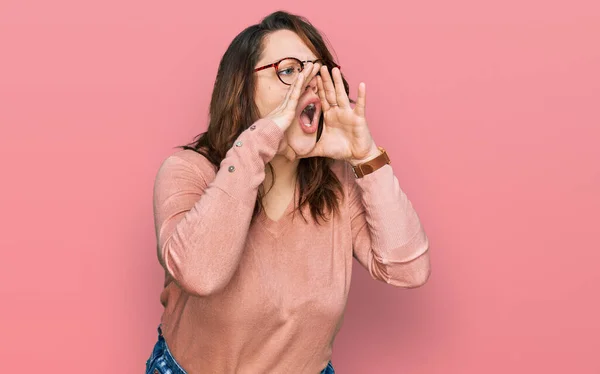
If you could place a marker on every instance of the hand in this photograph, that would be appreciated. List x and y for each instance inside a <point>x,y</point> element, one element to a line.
<point>346,135</point>
<point>286,112</point>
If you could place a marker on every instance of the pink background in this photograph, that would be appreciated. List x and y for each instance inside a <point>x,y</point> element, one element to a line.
<point>491,114</point>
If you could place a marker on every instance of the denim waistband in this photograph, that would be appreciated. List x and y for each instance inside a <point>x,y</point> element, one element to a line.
<point>164,358</point>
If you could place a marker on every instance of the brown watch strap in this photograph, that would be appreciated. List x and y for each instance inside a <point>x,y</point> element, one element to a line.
<point>370,166</point>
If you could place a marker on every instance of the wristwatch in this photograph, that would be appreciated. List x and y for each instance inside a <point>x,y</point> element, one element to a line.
<point>370,166</point>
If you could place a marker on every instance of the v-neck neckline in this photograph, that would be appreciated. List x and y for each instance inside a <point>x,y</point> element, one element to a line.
<point>278,227</point>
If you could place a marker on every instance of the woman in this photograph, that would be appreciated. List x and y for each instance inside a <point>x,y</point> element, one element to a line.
<point>259,219</point>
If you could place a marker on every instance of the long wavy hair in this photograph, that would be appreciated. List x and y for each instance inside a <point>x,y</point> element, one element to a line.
<point>233,110</point>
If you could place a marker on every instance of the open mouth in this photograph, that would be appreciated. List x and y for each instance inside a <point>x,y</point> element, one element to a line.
<point>309,118</point>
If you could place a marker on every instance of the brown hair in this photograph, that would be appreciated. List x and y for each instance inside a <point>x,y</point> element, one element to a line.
<point>233,110</point>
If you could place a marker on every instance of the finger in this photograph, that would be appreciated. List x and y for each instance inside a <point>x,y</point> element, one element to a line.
<point>283,104</point>
<point>287,95</point>
<point>340,91</point>
<point>307,71</point>
<point>361,100</point>
<point>290,90</point>
<point>311,71</point>
<point>328,85</point>
<point>321,91</point>
<point>317,68</point>
<point>295,90</point>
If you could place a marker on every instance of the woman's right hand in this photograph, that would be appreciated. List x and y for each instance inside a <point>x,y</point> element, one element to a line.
<point>286,112</point>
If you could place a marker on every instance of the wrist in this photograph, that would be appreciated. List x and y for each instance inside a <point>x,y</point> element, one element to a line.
<point>373,152</point>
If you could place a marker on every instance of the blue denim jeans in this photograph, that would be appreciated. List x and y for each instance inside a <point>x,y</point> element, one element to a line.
<point>161,360</point>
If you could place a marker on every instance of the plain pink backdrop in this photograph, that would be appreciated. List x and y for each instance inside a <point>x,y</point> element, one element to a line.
<point>490,112</point>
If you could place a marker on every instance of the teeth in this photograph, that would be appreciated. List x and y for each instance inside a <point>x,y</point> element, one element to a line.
<point>308,124</point>
<point>309,107</point>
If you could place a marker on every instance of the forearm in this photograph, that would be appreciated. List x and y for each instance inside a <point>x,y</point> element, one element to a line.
<point>392,239</point>
<point>201,246</point>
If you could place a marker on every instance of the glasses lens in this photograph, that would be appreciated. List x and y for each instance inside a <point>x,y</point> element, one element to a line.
<point>288,70</point>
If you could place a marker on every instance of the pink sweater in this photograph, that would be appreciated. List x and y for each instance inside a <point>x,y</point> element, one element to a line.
<point>270,297</point>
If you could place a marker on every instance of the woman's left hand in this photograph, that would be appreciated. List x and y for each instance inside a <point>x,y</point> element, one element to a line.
<point>346,135</point>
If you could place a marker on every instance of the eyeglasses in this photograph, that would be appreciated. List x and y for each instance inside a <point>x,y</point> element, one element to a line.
<point>288,68</point>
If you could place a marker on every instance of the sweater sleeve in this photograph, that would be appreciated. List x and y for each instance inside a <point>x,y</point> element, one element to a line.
<point>387,236</point>
<point>202,218</point>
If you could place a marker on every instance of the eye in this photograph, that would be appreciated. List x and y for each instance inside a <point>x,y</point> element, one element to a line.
<point>287,71</point>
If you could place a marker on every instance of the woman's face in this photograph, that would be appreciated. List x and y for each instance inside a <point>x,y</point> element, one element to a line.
<point>270,91</point>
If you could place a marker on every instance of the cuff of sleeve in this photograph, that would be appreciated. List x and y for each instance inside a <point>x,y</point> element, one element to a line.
<point>384,174</point>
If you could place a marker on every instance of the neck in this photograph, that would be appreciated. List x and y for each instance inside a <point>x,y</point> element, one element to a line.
<point>285,173</point>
